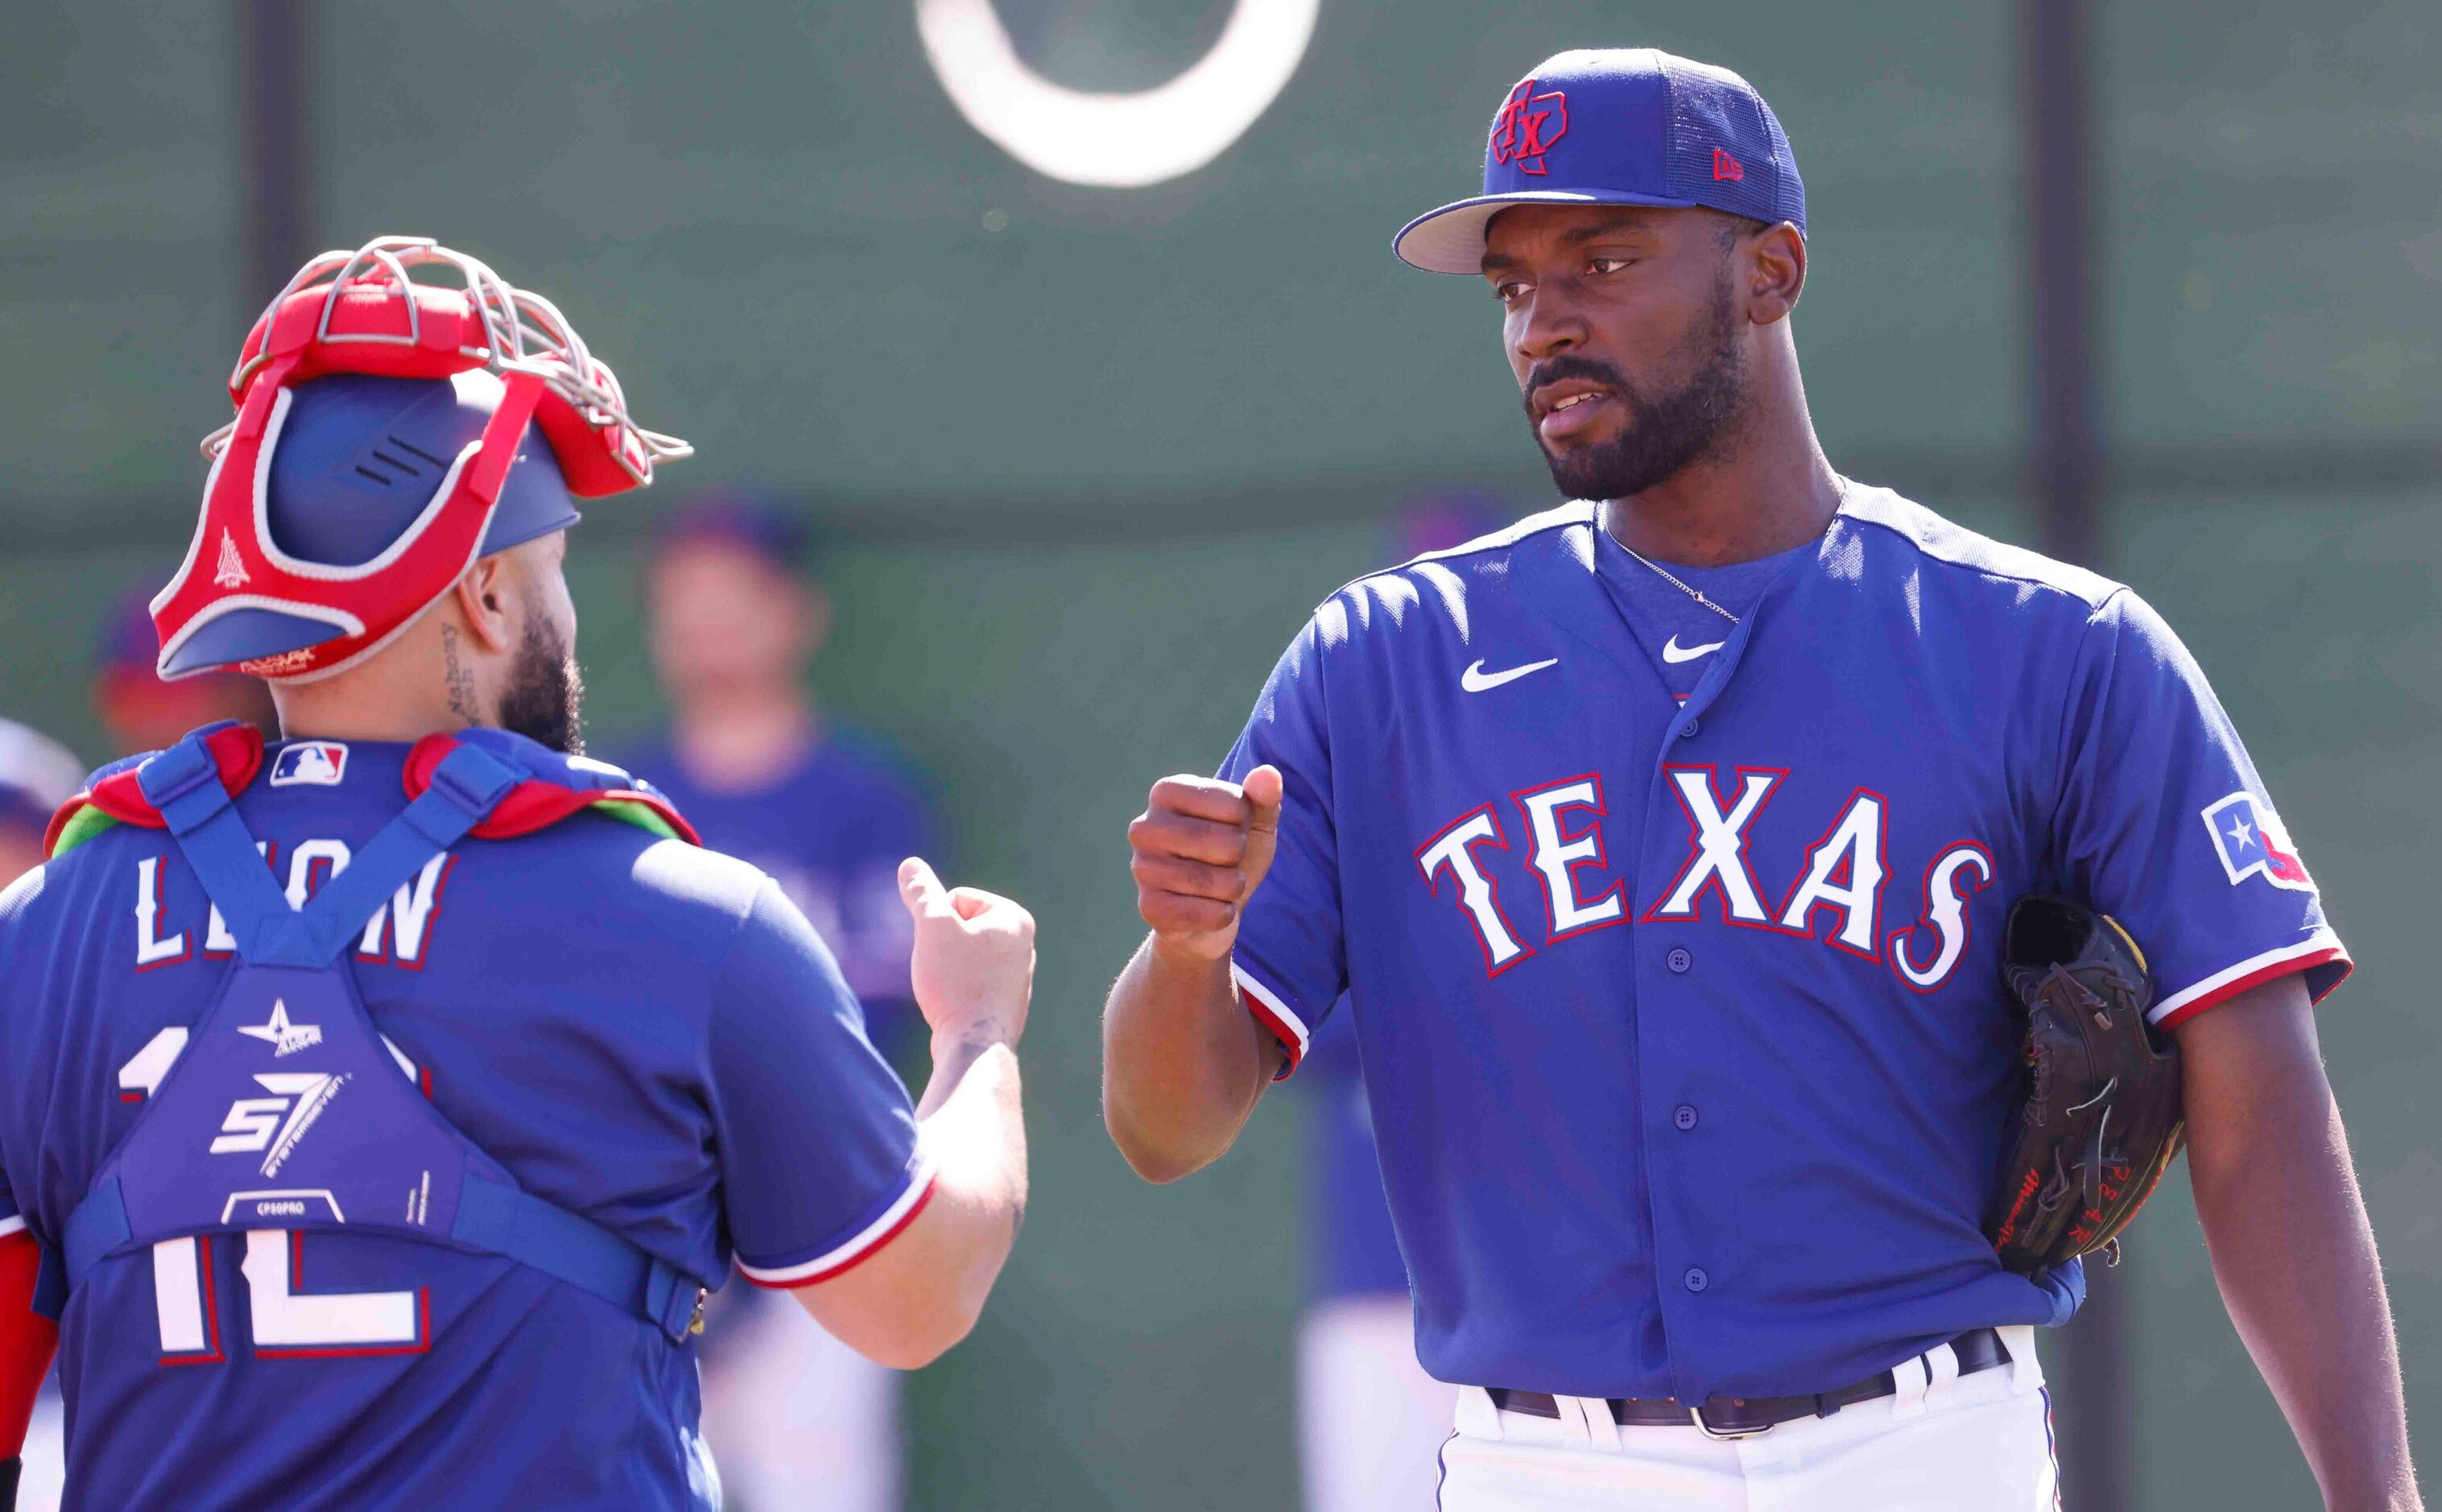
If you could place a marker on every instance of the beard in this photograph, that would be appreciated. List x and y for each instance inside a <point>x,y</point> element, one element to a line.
<point>545,699</point>
<point>1665,433</point>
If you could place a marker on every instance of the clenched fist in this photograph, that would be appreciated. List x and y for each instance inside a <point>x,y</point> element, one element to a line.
<point>1201,848</point>
<point>973,970</point>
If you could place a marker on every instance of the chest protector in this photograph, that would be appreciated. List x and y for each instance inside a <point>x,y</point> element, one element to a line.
<point>288,1109</point>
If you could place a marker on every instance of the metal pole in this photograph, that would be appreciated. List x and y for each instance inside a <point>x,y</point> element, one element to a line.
<point>2091,1396</point>
<point>276,168</point>
<point>2065,472</point>
<point>2066,436</point>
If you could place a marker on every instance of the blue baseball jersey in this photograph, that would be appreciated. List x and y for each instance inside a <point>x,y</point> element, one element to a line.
<point>832,830</point>
<point>644,1033</point>
<point>1682,1019</point>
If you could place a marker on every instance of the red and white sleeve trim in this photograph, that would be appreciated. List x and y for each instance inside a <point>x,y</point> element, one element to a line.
<point>1274,1011</point>
<point>868,1242</point>
<point>15,1223</point>
<point>2318,949</point>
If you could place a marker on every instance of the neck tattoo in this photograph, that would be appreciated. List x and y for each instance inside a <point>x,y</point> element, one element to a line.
<point>458,677</point>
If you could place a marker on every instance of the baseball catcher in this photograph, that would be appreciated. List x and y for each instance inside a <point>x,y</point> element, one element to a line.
<point>379,1102</point>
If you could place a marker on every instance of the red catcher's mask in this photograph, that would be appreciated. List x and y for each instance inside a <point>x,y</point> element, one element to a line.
<point>361,313</point>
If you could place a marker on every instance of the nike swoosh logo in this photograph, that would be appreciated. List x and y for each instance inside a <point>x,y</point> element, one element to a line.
<point>1674,653</point>
<point>1476,680</point>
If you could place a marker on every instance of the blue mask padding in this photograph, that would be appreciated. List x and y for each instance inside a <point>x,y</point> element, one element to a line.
<point>242,634</point>
<point>360,457</point>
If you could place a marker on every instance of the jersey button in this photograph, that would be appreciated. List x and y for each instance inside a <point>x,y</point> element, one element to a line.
<point>1687,731</point>
<point>1697,1280</point>
<point>1679,960</point>
<point>1686,1116</point>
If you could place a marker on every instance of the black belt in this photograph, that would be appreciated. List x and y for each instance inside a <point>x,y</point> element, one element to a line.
<point>1978,1349</point>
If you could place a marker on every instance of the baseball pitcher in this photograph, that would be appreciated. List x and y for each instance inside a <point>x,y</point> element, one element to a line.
<point>1666,845</point>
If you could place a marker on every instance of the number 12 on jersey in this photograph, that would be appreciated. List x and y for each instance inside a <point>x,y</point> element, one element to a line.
<point>282,1320</point>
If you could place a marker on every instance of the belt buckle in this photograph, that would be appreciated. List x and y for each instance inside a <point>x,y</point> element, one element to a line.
<point>1725,1435</point>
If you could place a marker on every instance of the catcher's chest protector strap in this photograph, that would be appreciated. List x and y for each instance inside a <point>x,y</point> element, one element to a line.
<point>288,1109</point>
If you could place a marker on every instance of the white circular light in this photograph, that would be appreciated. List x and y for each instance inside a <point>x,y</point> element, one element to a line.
<point>1115,140</point>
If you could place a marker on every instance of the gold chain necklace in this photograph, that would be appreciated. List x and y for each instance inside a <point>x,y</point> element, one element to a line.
<point>1602,523</point>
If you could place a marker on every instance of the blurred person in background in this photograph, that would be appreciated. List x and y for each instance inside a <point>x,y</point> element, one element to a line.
<point>137,710</point>
<point>1370,1421</point>
<point>37,774</point>
<point>798,1419</point>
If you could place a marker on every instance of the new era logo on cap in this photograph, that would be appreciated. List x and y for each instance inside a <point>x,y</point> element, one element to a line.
<point>1726,167</point>
<point>310,763</point>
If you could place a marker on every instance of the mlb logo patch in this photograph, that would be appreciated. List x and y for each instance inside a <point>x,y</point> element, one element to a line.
<point>311,763</point>
<point>2251,841</point>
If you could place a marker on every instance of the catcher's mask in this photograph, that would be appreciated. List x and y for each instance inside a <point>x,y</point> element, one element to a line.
<point>388,434</point>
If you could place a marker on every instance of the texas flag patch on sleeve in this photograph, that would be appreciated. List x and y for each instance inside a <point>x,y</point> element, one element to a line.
<point>2250,838</point>
<point>310,763</point>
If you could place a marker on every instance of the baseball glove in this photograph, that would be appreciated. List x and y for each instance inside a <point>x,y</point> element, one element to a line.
<point>2101,1121</point>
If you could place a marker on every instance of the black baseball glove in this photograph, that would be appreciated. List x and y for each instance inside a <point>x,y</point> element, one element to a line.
<point>2101,1121</point>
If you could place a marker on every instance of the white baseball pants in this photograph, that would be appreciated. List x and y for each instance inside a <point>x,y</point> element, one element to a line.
<point>1943,1443</point>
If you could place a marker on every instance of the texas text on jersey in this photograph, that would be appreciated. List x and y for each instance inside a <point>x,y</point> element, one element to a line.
<point>1739,949</point>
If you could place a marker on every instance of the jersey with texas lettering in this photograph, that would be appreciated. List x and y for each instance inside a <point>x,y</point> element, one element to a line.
<point>644,1033</point>
<point>1680,1020</point>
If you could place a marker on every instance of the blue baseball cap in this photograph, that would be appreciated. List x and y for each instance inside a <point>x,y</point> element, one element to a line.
<point>780,538</point>
<point>1618,126</point>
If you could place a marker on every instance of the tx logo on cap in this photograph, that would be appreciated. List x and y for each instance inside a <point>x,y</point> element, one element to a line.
<point>1522,134</point>
<point>314,763</point>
